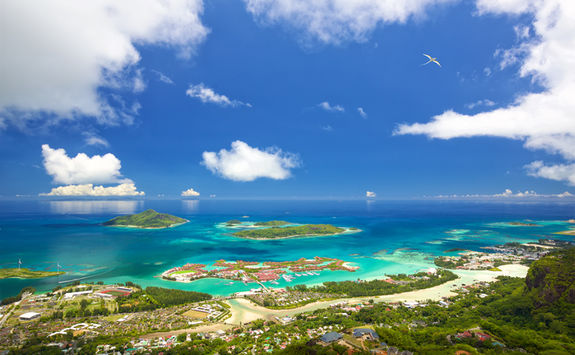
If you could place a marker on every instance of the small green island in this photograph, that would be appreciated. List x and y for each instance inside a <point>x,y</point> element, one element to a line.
<point>24,273</point>
<point>148,219</point>
<point>306,230</point>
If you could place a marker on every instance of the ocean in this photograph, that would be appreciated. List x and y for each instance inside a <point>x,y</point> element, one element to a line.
<point>396,237</point>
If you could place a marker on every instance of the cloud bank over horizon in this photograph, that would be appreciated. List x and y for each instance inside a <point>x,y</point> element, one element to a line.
<point>126,189</point>
<point>245,163</point>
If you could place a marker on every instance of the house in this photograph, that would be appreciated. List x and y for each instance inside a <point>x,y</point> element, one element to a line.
<point>365,334</point>
<point>330,337</point>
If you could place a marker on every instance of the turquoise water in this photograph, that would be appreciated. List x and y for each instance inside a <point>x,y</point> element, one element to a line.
<point>396,237</point>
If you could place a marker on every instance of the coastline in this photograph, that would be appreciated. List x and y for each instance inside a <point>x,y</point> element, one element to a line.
<point>305,236</point>
<point>244,311</point>
<point>138,227</point>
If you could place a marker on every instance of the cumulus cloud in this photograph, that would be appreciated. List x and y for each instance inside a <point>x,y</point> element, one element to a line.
<point>81,169</point>
<point>370,194</point>
<point>190,193</point>
<point>336,21</point>
<point>207,95</point>
<point>57,55</point>
<point>361,112</point>
<point>542,120</point>
<point>331,108</point>
<point>557,172</point>
<point>245,163</point>
<point>127,189</point>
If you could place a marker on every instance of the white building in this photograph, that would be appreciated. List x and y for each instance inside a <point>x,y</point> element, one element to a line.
<point>29,316</point>
<point>71,295</point>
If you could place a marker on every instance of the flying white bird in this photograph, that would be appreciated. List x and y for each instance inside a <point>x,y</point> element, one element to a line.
<point>431,60</point>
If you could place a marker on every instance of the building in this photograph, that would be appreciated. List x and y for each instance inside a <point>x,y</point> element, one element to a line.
<point>71,295</point>
<point>29,316</point>
<point>103,295</point>
<point>365,333</point>
<point>330,337</point>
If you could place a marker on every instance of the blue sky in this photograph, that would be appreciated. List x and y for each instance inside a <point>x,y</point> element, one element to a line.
<point>275,69</point>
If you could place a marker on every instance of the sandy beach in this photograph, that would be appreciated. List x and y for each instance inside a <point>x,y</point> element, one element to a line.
<point>244,311</point>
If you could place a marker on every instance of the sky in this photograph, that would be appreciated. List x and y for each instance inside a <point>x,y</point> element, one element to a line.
<point>287,98</point>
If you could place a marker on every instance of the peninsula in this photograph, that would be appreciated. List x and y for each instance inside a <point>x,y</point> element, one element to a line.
<point>148,219</point>
<point>24,273</point>
<point>253,271</point>
<point>305,230</point>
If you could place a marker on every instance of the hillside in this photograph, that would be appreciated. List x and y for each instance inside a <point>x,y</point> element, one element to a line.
<point>146,219</point>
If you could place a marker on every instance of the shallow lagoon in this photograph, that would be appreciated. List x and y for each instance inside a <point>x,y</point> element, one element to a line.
<point>396,237</point>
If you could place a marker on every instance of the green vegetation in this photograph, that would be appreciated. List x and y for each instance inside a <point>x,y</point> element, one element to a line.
<point>171,297</point>
<point>146,219</point>
<point>394,284</point>
<point>450,263</point>
<point>233,222</point>
<point>551,280</point>
<point>24,273</point>
<point>158,297</point>
<point>271,224</point>
<point>288,232</point>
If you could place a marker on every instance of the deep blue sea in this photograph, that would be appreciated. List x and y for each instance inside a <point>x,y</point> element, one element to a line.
<point>396,237</point>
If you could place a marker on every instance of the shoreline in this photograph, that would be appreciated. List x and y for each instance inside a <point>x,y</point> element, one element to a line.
<point>244,311</point>
<point>138,227</point>
<point>304,236</point>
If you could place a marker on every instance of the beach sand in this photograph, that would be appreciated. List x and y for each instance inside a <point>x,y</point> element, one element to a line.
<point>245,311</point>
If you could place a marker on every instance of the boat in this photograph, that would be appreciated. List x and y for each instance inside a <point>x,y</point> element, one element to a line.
<point>274,282</point>
<point>287,278</point>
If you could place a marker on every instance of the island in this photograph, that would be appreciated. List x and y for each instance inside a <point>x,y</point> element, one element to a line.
<point>253,271</point>
<point>305,230</point>
<point>271,224</point>
<point>148,219</point>
<point>24,273</point>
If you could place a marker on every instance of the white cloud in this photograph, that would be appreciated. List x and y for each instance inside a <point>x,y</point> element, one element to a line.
<point>81,169</point>
<point>190,192</point>
<point>92,139</point>
<point>163,77</point>
<point>207,95</point>
<point>328,107</point>
<point>478,103</point>
<point>126,189</point>
<point>337,21</point>
<point>245,163</point>
<point>327,128</point>
<point>58,54</point>
<point>361,112</point>
<point>543,120</point>
<point>370,194</point>
<point>557,172</point>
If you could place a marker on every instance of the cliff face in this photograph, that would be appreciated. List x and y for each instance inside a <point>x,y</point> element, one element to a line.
<point>552,279</point>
